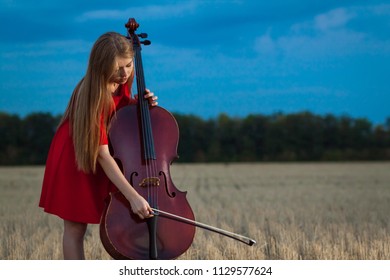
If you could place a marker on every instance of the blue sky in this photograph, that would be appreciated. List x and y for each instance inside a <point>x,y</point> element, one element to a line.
<point>208,57</point>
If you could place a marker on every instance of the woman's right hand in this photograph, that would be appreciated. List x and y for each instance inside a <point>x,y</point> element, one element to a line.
<point>140,206</point>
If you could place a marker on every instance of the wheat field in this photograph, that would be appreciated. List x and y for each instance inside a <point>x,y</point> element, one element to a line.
<point>322,211</point>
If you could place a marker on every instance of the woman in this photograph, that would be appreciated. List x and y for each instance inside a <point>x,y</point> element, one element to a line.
<point>80,172</point>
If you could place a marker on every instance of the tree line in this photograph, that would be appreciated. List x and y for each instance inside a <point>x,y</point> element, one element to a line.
<point>300,136</point>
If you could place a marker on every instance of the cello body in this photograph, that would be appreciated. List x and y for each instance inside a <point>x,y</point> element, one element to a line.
<point>123,234</point>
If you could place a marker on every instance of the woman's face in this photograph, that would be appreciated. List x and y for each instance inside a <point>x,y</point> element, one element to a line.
<point>123,70</point>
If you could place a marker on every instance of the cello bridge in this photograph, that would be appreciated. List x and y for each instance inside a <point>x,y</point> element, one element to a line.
<point>150,182</point>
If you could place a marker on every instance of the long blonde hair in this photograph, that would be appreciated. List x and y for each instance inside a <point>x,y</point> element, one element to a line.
<point>91,103</point>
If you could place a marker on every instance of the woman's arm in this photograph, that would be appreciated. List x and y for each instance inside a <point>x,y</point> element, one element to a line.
<point>138,204</point>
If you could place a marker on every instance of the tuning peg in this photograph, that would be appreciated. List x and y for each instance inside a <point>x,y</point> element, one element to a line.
<point>146,42</point>
<point>143,35</point>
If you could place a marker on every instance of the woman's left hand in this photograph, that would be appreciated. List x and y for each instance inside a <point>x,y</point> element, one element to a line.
<point>151,97</point>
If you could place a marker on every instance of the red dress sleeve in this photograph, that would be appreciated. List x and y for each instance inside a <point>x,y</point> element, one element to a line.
<point>124,97</point>
<point>103,133</point>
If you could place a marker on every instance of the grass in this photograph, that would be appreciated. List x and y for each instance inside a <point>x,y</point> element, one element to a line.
<point>322,211</point>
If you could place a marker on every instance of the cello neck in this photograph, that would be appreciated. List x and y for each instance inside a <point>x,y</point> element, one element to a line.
<point>143,104</point>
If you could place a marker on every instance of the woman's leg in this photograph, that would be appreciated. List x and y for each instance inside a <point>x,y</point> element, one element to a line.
<point>73,240</point>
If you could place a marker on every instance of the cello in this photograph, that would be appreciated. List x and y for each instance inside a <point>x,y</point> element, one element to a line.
<point>144,141</point>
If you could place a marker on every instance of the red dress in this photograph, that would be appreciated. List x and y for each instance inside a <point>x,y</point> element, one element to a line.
<point>68,192</point>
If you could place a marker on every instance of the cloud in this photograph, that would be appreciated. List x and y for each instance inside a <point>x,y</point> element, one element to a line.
<point>45,49</point>
<point>382,9</point>
<point>42,66</point>
<point>335,33</point>
<point>150,12</point>
<point>334,19</point>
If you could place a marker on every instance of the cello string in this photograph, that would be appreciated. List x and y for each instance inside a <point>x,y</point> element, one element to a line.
<point>140,87</point>
<point>151,168</point>
<point>148,141</point>
<point>149,147</point>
